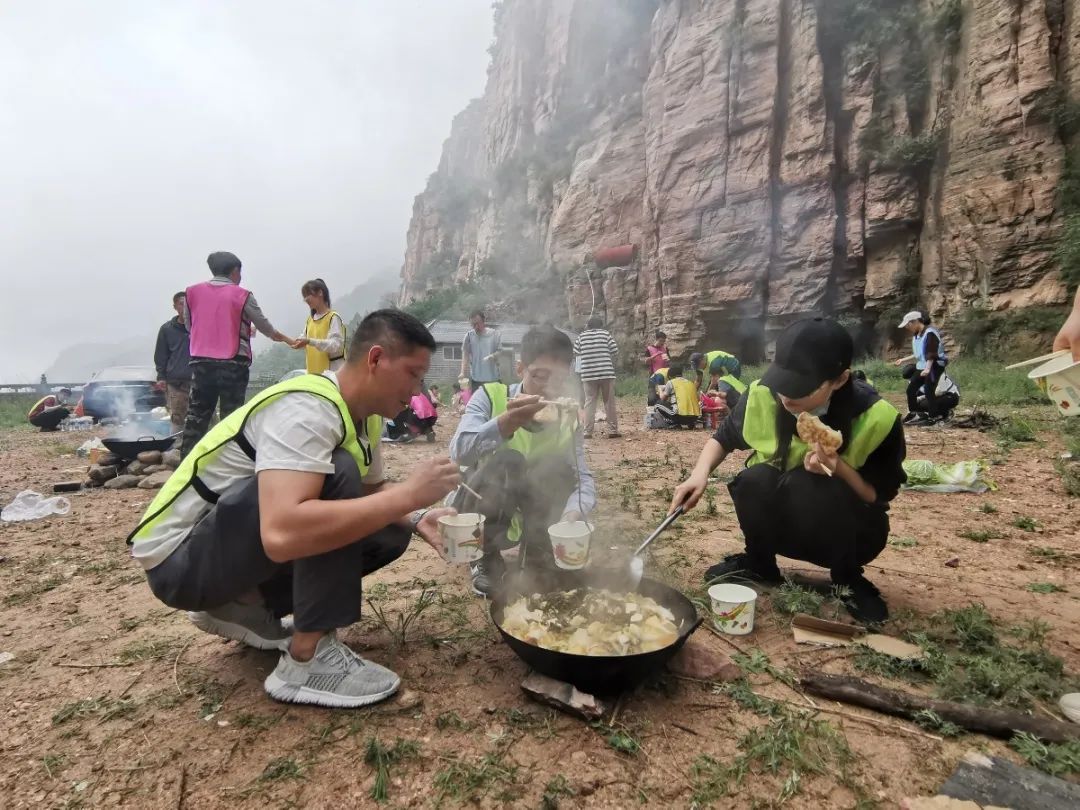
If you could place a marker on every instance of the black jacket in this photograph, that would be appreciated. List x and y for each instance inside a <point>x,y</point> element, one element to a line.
<point>172,355</point>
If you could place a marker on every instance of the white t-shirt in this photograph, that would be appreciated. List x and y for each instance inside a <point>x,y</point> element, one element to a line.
<point>298,431</point>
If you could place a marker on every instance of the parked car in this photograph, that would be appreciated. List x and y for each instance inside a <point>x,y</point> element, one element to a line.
<point>119,391</point>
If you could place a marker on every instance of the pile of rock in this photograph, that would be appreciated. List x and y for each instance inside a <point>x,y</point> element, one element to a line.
<point>149,471</point>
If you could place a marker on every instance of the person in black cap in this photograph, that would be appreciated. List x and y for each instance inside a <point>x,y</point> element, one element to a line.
<point>829,508</point>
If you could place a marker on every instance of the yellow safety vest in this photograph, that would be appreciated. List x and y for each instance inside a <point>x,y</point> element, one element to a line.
<point>663,372</point>
<point>868,431</point>
<point>231,428</point>
<point>531,445</point>
<point>734,382</point>
<point>318,361</point>
<point>687,401</point>
<point>38,403</point>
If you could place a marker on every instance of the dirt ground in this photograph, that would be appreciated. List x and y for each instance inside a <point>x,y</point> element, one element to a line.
<point>113,699</point>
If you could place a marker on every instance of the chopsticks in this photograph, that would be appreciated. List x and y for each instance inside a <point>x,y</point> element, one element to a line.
<point>472,491</point>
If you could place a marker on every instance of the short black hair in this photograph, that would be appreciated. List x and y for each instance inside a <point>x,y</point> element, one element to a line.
<point>477,313</point>
<point>595,322</point>
<point>546,341</point>
<point>221,263</point>
<point>396,331</point>
<point>675,369</point>
<point>177,296</point>
<point>660,335</point>
<point>64,391</point>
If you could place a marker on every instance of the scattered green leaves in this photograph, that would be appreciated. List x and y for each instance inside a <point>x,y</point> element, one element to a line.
<point>1056,759</point>
<point>980,535</point>
<point>1044,587</point>
<point>1026,523</point>
<point>380,757</point>
<point>932,721</point>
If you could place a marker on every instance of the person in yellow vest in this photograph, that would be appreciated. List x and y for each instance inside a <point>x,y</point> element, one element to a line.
<point>531,474</point>
<point>717,363</point>
<point>657,382</point>
<point>48,412</point>
<point>324,335</point>
<point>283,508</point>
<point>680,400</point>
<point>825,507</point>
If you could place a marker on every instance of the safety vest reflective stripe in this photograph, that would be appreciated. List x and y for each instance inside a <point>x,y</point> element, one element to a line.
<point>868,431</point>
<point>734,382</point>
<point>231,428</point>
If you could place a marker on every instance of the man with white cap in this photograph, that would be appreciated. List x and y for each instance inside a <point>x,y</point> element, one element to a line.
<point>928,352</point>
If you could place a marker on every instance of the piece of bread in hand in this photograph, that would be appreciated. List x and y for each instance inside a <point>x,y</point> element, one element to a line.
<point>813,431</point>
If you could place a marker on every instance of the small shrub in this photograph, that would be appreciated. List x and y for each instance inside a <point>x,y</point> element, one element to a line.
<point>1056,759</point>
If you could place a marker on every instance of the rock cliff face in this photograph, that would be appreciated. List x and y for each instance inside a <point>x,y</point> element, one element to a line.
<point>771,159</point>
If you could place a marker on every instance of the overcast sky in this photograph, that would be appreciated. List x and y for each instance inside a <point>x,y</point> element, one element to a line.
<point>139,136</point>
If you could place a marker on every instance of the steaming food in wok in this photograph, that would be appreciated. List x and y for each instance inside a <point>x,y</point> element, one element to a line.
<point>591,622</point>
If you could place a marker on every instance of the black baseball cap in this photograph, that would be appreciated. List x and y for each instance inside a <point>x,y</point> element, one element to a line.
<point>807,354</point>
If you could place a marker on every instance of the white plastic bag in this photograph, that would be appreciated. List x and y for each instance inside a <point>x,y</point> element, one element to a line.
<point>90,444</point>
<point>30,505</point>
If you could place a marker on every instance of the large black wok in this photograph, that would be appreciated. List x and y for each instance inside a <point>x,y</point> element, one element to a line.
<point>596,674</point>
<point>128,449</point>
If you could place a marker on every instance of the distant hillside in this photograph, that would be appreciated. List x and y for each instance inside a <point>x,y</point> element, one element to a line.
<point>77,363</point>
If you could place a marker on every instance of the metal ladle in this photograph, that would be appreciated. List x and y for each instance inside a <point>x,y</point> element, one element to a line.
<point>636,566</point>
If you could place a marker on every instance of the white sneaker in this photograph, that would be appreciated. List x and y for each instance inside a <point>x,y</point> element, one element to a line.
<point>335,676</point>
<point>253,625</point>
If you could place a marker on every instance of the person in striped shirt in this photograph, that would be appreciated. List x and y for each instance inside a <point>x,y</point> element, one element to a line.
<point>596,350</point>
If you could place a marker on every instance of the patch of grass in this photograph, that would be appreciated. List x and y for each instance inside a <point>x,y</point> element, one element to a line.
<point>104,708</point>
<point>757,662</point>
<point>743,694</point>
<point>1069,472</point>
<point>980,535</point>
<point>280,769</point>
<point>622,741</point>
<point>554,790</point>
<point>1026,523</point>
<point>1054,555</point>
<point>149,650</point>
<point>790,599</point>
<point>903,542</point>
<point>53,764</point>
<point>1033,631</point>
<point>471,781</point>
<point>381,757</point>
<point>13,410</point>
<point>451,720</point>
<point>399,623</point>
<point>1015,429</point>
<point>932,721</point>
<point>1056,759</point>
<point>255,722</point>
<point>791,745</point>
<point>23,596</point>
<point>988,509</point>
<point>710,502</point>
<point>1044,587</point>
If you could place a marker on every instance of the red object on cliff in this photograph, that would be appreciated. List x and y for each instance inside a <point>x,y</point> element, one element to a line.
<point>619,256</point>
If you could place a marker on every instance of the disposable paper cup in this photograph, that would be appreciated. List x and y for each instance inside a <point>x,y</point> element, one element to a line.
<point>570,543</point>
<point>733,608</point>
<point>1060,379</point>
<point>462,536</point>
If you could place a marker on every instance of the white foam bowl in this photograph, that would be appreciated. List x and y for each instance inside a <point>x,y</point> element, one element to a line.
<point>1060,379</point>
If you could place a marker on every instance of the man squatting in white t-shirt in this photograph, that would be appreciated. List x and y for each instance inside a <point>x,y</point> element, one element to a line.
<point>281,521</point>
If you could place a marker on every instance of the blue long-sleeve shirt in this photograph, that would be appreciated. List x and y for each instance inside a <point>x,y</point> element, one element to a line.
<point>478,435</point>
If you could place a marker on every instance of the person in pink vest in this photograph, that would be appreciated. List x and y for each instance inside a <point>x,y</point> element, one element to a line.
<point>220,314</point>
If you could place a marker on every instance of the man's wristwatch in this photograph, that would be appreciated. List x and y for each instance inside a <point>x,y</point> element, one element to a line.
<point>417,516</point>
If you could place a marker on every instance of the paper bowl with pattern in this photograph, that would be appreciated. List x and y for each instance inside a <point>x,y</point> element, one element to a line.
<point>733,608</point>
<point>1060,379</point>
<point>570,543</point>
<point>462,537</point>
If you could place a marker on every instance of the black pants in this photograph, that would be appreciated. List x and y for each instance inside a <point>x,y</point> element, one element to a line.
<point>509,484</point>
<point>807,517</point>
<point>223,558</point>
<point>212,382</point>
<point>49,419</point>
<point>927,386</point>
<point>677,419</point>
<point>474,384</point>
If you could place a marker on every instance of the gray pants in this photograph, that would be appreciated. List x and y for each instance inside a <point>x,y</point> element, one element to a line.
<point>223,558</point>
